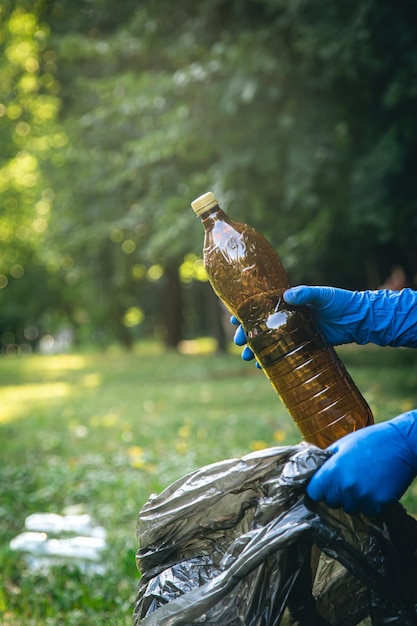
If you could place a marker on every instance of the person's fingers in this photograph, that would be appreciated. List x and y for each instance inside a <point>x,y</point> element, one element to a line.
<point>247,354</point>
<point>314,296</point>
<point>240,336</point>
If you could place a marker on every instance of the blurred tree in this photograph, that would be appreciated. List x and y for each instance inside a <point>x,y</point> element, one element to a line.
<point>29,136</point>
<point>299,116</point>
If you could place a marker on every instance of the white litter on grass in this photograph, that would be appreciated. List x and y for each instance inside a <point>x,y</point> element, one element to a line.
<point>50,539</point>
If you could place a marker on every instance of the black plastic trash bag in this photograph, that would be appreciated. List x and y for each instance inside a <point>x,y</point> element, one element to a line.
<point>238,543</point>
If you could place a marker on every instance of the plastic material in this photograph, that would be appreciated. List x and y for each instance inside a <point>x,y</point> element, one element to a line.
<point>382,317</point>
<point>369,468</point>
<point>235,544</point>
<point>247,275</point>
<point>203,203</point>
<point>52,540</point>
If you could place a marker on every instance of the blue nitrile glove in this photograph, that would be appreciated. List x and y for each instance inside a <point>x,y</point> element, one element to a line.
<point>383,317</point>
<point>240,340</point>
<point>369,468</point>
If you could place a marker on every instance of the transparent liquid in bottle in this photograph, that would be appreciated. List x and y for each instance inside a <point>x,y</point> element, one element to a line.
<point>247,275</point>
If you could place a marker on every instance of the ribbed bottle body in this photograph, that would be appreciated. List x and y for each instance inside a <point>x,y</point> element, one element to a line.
<point>306,372</point>
<point>247,275</point>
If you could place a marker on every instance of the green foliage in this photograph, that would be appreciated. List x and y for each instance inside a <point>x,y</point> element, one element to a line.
<point>29,107</point>
<point>30,137</point>
<point>291,112</point>
<point>299,116</point>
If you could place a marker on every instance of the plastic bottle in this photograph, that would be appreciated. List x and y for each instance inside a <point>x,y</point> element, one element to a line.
<point>49,540</point>
<point>247,275</point>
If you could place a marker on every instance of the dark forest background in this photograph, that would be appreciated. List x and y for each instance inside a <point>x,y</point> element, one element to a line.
<point>114,115</point>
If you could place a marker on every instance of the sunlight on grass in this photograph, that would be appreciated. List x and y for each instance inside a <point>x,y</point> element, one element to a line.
<point>16,399</point>
<point>91,380</point>
<point>258,445</point>
<point>203,345</point>
<point>57,363</point>
<point>46,380</point>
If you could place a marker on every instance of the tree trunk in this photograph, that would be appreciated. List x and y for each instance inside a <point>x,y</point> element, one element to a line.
<point>217,314</point>
<point>172,306</point>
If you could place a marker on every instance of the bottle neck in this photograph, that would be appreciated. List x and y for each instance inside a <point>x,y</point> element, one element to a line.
<point>212,215</point>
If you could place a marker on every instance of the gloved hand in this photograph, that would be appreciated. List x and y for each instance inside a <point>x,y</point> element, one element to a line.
<point>240,340</point>
<point>369,468</point>
<point>331,308</point>
<point>383,317</point>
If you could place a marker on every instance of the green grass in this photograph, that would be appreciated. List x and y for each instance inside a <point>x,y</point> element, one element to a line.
<point>102,431</point>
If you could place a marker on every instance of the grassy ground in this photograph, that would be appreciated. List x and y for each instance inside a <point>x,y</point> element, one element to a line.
<point>98,433</point>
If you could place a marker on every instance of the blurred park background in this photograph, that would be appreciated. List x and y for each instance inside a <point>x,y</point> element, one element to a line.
<point>117,370</point>
<point>299,115</point>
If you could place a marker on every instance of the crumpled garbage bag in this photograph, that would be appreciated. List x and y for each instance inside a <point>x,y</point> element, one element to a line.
<point>238,543</point>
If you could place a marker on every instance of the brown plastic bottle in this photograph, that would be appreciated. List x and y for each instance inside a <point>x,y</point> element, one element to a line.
<point>247,275</point>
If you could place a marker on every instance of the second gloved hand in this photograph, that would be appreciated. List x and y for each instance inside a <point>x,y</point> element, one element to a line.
<point>369,468</point>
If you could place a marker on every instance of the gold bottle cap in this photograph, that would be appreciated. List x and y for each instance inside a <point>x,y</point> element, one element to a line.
<point>203,203</point>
